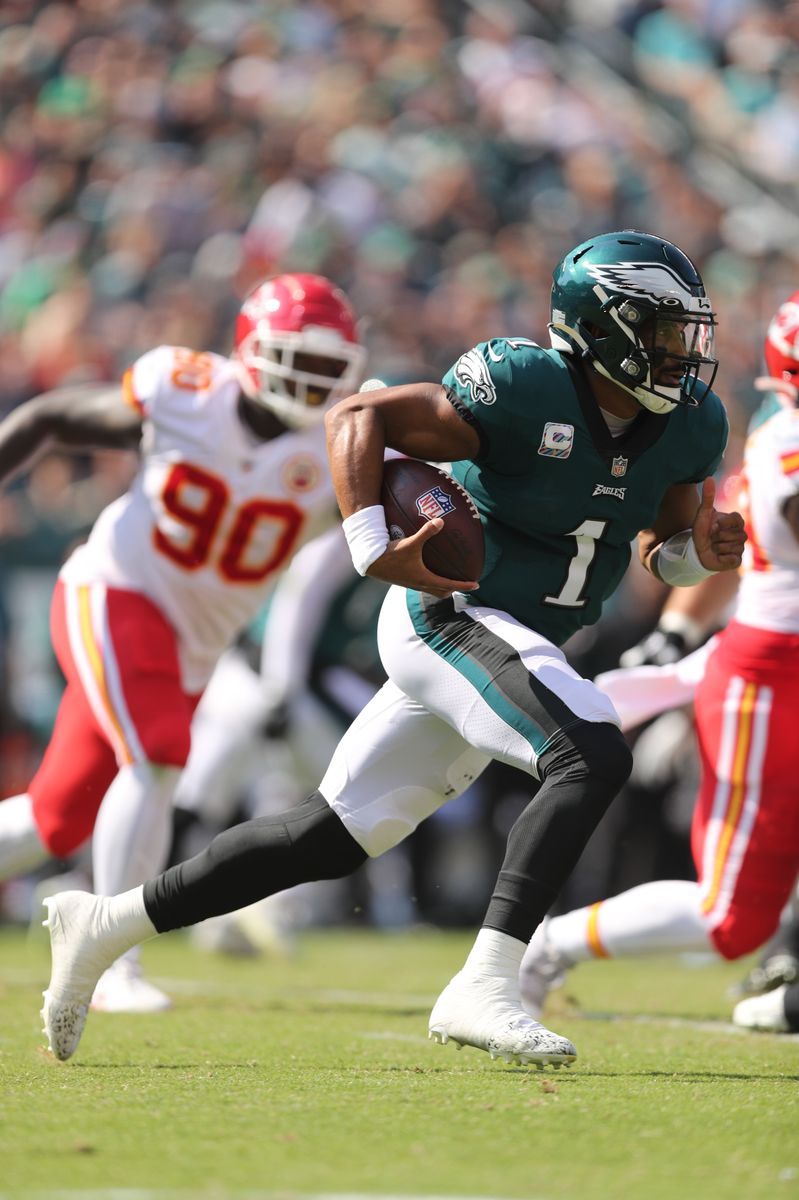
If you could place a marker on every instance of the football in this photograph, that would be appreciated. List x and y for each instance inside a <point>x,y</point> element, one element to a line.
<point>415,492</point>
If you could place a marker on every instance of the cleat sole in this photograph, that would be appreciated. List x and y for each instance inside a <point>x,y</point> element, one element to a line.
<point>520,1060</point>
<point>486,1014</point>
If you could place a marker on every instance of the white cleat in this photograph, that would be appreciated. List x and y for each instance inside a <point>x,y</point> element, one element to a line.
<point>542,969</point>
<point>765,1012</point>
<point>487,1013</point>
<point>122,989</point>
<point>80,954</point>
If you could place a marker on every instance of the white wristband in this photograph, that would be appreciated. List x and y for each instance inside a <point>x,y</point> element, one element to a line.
<point>367,536</point>
<point>677,562</point>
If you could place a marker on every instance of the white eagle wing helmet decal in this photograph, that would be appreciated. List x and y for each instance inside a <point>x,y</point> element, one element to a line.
<point>471,371</point>
<point>650,281</point>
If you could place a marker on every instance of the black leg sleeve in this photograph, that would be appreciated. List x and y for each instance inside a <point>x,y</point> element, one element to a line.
<point>584,768</point>
<point>253,860</point>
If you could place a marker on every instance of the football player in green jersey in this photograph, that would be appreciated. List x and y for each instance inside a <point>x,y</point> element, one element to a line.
<point>569,453</point>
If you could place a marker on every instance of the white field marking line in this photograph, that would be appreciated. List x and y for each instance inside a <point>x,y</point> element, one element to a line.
<point>344,996</point>
<point>242,1194</point>
<point>399,999</point>
<point>681,1023</point>
<point>214,987</point>
<point>385,1035</point>
<point>197,987</point>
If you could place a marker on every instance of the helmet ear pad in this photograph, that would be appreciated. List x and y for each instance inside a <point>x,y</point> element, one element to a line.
<point>618,347</point>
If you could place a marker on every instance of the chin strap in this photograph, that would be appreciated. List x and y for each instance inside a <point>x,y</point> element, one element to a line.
<point>653,402</point>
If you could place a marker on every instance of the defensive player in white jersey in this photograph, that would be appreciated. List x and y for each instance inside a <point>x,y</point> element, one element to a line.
<point>745,836</point>
<point>233,478</point>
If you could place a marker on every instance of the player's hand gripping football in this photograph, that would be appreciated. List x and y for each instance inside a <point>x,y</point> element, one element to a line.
<point>719,537</point>
<point>402,564</point>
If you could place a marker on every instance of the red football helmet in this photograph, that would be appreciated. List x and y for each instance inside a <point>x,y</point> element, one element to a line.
<point>297,342</point>
<point>781,349</point>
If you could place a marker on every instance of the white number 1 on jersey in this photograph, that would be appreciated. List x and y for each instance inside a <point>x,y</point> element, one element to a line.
<point>586,535</point>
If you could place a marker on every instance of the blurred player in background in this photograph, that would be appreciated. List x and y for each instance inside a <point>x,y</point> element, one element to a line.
<point>745,836</point>
<point>568,453</point>
<point>261,738</point>
<point>233,479</point>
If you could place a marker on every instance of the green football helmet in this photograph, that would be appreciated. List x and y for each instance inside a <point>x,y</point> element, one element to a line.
<point>634,306</point>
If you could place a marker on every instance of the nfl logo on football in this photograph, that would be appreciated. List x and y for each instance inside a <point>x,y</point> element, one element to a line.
<point>619,467</point>
<point>435,503</point>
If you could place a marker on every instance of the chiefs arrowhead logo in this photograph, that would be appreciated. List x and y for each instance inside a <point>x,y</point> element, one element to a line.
<point>302,474</point>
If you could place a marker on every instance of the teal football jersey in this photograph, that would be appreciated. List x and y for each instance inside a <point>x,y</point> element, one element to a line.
<point>560,498</point>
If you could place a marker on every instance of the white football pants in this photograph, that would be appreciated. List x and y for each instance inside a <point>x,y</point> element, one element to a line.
<point>492,688</point>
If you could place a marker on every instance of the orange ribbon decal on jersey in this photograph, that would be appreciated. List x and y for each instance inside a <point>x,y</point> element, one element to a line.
<point>790,462</point>
<point>98,670</point>
<point>740,761</point>
<point>592,932</point>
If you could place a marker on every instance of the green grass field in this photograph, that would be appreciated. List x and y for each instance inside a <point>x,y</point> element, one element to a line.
<point>315,1076</point>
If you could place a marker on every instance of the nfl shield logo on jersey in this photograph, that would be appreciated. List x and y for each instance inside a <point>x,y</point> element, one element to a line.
<point>619,467</point>
<point>435,503</point>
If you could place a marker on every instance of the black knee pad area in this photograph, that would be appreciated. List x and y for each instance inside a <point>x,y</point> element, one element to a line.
<point>595,749</point>
<point>302,844</point>
<point>584,768</point>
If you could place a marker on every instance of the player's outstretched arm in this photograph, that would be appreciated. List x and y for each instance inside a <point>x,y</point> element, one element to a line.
<point>88,415</point>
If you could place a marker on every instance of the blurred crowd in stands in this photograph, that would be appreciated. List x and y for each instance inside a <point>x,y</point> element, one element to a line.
<point>435,157</point>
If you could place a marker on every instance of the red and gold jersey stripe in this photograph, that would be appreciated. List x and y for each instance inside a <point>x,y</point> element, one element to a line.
<point>742,749</point>
<point>790,462</point>
<point>95,659</point>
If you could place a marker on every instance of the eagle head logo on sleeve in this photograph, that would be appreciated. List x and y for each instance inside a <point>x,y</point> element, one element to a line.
<point>471,371</point>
